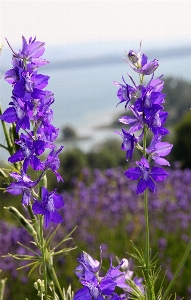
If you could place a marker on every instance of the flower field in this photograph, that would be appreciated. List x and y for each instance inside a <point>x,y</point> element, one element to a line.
<point>107,213</point>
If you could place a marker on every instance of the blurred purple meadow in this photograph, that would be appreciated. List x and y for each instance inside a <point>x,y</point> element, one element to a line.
<point>104,207</point>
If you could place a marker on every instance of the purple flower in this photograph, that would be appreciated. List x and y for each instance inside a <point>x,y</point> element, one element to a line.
<point>149,101</point>
<point>158,149</point>
<point>139,63</point>
<point>24,186</point>
<point>125,92</point>
<point>30,85</point>
<point>48,133</point>
<point>48,205</point>
<point>19,112</point>
<point>145,175</point>
<point>135,121</point>
<point>30,106</point>
<point>29,150</point>
<point>89,263</point>
<point>155,122</point>
<point>31,52</point>
<point>96,287</point>
<point>128,143</point>
<point>44,114</point>
<point>53,163</point>
<point>84,294</point>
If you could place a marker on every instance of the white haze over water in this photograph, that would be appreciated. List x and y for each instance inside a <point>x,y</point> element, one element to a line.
<point>85,96</point>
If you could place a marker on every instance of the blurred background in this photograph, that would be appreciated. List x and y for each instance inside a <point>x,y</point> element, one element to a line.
<point>85,43</point>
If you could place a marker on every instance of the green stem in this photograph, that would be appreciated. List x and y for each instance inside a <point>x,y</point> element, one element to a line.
<point>7,136</point>
<point>147,246</point>
<point>2,288</point>
<point>151,295</point>
<point>146,205</point>
<point>43,256</point>
<point>54,278</point>
<point>184,258</point>
<point>35,223</point>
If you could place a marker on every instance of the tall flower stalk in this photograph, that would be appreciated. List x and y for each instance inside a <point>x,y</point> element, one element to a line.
<point>31,134</point>
<point>145,101</point>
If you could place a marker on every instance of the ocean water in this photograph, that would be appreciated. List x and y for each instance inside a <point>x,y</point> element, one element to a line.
<point>85,96</point>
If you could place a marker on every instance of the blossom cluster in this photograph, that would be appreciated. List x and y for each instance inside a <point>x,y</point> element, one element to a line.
<point>97,287</point>
<point>145,101</point>
<point>30,110</point>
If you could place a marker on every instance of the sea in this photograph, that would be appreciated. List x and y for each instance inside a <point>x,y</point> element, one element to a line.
<point>85,96</point>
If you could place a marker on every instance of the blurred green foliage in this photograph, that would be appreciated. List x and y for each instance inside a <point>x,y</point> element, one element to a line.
<point>177,100</point>
<point>182,141</point>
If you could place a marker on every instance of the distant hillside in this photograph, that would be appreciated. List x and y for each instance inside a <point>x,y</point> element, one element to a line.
<point>86,55</point>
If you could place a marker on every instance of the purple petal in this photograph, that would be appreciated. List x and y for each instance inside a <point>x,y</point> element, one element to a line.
<point>163,131</point>
<point>37,93</point>
<point>127,120</point>
<point>41,81</point>
<point>35,49</point>
<point>158,174</point>
<point>133,173</point>
<point>107,286</point>
<point>39,61</point>
<point>143,162</point>
<point>151,185</point>
<point>14,189</point>
<point>26,198</point>
<point>58,176</point>
<point>17,156</point>
<point>163,148</point>
<point>18,89</point>
<point>161,161</point>
<point>144,59</point>
<point>44,192</point>
<point>39,147</point>
<point>46,218</point>
<point>55,217</point>
<point>142,185</point>
<point>35,163</point>
<point>24,44</point>
<point>83,294</point>
<point>150,67</point>
<point>38,208</point>
<point>9,115</point>
<point>11,76</point>
<point>58,201</point>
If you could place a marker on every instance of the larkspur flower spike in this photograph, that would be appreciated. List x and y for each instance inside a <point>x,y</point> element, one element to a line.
<point>30,111</point>
<point>146,103</point>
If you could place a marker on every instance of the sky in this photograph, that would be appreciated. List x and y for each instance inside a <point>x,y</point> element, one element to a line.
<point>160,23</point>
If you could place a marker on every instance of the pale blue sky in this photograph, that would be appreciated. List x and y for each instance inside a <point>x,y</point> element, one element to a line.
<point>64,22</point>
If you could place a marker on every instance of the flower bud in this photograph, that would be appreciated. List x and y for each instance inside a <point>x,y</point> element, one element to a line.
<point>39,285</point>
<point>125,264</point>
<point>25,223</point>
<point>133,56</point>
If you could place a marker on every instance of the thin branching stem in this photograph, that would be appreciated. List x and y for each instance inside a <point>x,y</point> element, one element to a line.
<point>54,278</point>
<point>184,258</point>
<point>43,257</point>
<point>150,291</point>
